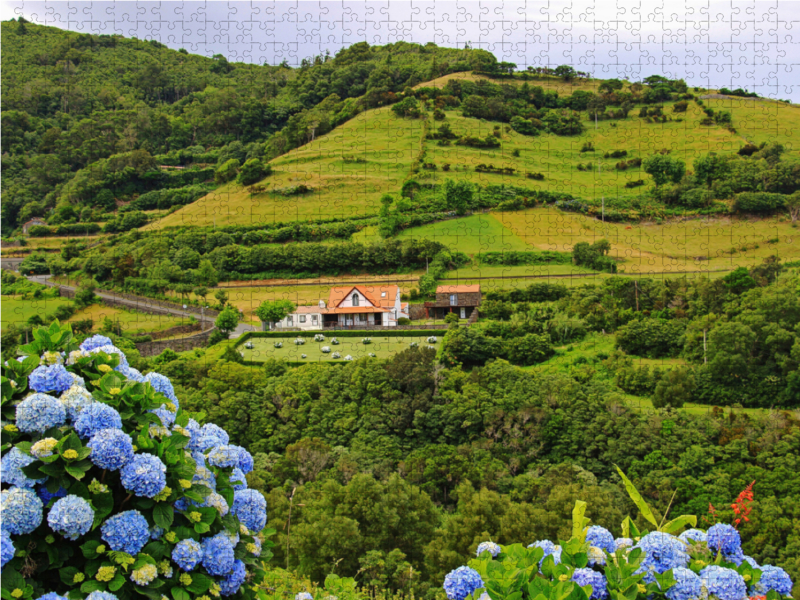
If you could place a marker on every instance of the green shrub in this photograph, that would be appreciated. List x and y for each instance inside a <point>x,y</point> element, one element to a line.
<point>654,338</point>
<point>759,202</point>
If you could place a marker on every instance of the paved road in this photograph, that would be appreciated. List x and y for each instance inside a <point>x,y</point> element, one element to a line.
<point>141,303</point>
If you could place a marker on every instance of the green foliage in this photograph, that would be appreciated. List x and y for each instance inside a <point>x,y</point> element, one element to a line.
<point>674,389</point>
<point>594,256</point>
<point>252,171</point>
<point>272,311</point>
<point>458,195</point>
<point>653,338</point>
<point>227,172</point>
<point>664,169</point>
<point>759,202</point>
<point>227,320</point>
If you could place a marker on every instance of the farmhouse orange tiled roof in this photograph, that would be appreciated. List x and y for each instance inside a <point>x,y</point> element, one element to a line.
<point>455,289</point>
<point>373,293</point>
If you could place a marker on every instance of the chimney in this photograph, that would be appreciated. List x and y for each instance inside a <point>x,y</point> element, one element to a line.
<point>322,303</point>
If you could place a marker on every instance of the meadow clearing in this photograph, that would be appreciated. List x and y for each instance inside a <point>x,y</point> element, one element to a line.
<point>382,346</point>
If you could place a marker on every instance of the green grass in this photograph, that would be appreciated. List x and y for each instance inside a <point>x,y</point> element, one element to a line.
<point>16,311</point>
<point>390,145</point>
<point>341,189</point>
<point>381,346</point>
<point>471,235</point>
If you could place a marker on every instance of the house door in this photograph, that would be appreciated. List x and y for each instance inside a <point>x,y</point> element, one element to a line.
<point>463,313</point>
<point>348,321</point>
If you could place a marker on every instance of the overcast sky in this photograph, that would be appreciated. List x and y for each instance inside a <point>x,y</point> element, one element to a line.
<point>754,45</point>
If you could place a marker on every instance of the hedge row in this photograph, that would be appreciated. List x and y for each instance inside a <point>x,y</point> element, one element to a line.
<point>340,334</point>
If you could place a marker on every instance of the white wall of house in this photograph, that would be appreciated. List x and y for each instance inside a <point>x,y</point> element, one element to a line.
<point>304,321</point>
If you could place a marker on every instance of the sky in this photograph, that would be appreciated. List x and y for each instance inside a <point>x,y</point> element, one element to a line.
<point>748,44</point>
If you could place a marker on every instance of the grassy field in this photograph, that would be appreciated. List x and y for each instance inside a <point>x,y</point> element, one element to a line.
<point>389,146</point>
<point>131,322</point>
<point>382,346</point>
<point>14,310</point>
<point>341,189</point>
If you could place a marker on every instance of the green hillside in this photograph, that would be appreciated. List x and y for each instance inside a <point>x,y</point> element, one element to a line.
<point>609,174</point>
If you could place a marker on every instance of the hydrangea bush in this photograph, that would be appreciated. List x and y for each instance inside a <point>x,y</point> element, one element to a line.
<point>111,491</point>
<point>594,565</point>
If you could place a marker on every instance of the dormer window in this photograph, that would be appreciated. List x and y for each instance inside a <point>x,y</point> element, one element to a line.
<point>355,299</point>
<point>383,294</point>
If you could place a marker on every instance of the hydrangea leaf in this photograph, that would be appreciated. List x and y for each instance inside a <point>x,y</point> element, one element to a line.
<point>640,503</point>
<point>163,515</point>
<point>679,523</point>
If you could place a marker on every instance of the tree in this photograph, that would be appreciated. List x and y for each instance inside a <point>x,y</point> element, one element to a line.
<point>84,296</point>
<point>206,274</point>
<point>674,389</point>
<point>227,172</point>
<point>410,187</point>
<point>664,169</point>
<point>227,321</point>
<point>272,311</point>
<point>458,195</point>
<point>610,85</point>
<point>221,296</point>
<point>253,171</point>
<point>566,72</point>
<point>201,292</point>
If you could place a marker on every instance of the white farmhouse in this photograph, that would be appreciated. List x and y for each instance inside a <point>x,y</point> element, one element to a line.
<point>353,306</point>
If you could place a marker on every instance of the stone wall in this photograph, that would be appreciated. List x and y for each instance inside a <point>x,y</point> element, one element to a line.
<point>209,313</point>
<point>180,345</point>
<point>177,330</point>
<point>416,311</point>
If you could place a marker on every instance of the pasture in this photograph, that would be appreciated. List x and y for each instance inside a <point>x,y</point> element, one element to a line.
<point>383,346</point>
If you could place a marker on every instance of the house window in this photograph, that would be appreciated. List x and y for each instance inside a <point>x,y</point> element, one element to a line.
<point>314,319</point>
<point>453,299</point>
<point>302,318</point>
<point>355,299</point>
<point>383,294</point>
<point>289,321</point>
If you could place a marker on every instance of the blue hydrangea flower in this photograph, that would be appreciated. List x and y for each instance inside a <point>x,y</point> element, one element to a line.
<point>46,496</point>
<point>78,381</point>
<point>217,555</point>
<point>11,469</point>
<point>549,548</point>
<point>751,561</point>
<point>126,532</point>
<point>212,435</point>
<point>39,412</point>
<point>490,547</point>
<point>51,596</point>
<point>112,449</point>
<point>687,585</point>
<point>303,596</point>
<point>101,596</point>
<point>245,460</point>
<point>95,341</point>
<point>166,417</point>
<point>723,538</point>
<point>622,542</point>
<point>238,480</point>
<point>601,538</point>
<point>193,428</point>
<point>461,583</point>
<point>231,582</point>
<point>187,554</point>
<point>257,544</point>
<point>736,557</point>
<point>589,577</point>
<point>224,456</point>
<point>95,417</point>
<point>132,374</point>
<point>20,510</point>
<point>52,378</point>
<point>112,349</point>
<point>597,558</point>
<point>662,552</point>
<point>75,399</point>
<point>773,578</point>
<point>216,500</point>
<point>203,476</point>
<point>71,516</point>
<point>7,549</point>
<point>156,532</point>
<point>251,508</point>
<point>162,384</point>
<point>725,584</point>
<point>693,536</point>
<point>145,475</point>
